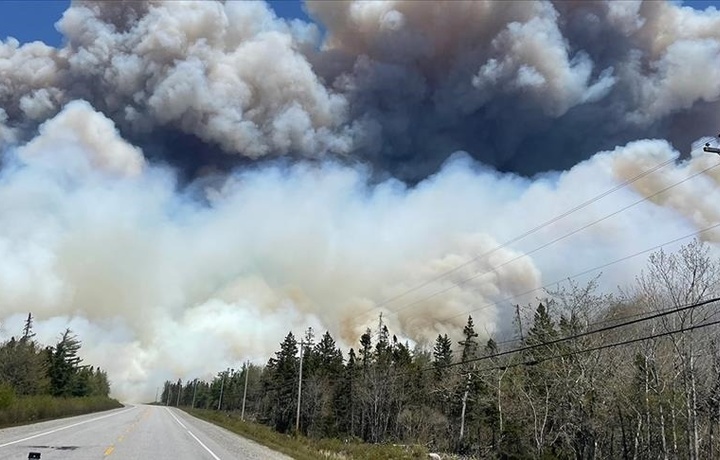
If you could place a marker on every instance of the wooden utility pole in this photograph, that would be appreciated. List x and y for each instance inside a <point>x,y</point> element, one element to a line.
<point>297,416</point>
<point>519,321</point>
<point>464,406</point>
<point>247,372</point>
<point>222,386</point>
<point>194,393</point>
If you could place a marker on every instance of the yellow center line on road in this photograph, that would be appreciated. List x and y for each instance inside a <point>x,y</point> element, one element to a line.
<point>120,438</point>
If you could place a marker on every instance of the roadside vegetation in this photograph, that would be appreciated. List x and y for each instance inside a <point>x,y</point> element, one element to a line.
<point>46,382</point>
<point>303,448</point>
<point>588,375</point>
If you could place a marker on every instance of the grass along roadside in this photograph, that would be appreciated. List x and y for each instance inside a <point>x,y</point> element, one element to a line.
<point>22,410</point>
<point>303,448</point>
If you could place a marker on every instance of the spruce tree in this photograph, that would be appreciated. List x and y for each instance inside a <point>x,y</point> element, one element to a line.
<point>442,355</point>
<point>469,344</point>
<point>64,363</point>
<point>28,333</point>
<point>282,389</point>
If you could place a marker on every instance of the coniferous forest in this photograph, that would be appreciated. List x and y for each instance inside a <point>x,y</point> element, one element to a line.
<point>39,382</point>
<point>633,374</point>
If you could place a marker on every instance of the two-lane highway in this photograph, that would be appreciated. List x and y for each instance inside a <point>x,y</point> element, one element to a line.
<point>135,432</point>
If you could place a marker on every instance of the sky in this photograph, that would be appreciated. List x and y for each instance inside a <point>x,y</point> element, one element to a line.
<point>30,20</point>
<point>196,176</point>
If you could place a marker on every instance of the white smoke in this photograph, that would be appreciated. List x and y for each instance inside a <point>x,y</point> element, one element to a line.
<point>229,73</point>
<point>79,128</point>
<point>159,287</point>
<point>162,280</point>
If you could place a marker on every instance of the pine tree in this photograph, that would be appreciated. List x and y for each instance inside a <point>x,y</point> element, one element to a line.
<point>64,364</point>
<point>542,331</point>
<point>282,372</point>
<point>366,349</point>
<point>319,388</point>
<point>442,355</point>
<point>329,357</point>
<point>28,333</point>
<point>23,365</point>
<point>345,400</point>
<point>469,344</point>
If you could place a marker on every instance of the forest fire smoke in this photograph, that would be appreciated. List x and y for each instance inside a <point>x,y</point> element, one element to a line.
<point>183,182</point>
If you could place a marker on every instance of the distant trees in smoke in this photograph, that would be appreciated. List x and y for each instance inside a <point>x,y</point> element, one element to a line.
<point>27,368</point>
<point>635,374</point>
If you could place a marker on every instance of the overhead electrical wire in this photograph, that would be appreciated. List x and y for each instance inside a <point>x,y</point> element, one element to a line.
<point>290,385</point>
<point>599,347</point>
<point>582,273</point>
<point>547,244</point>
<point>607,321</point>
<point>539,227</point>
<point>590,332</point>
<point>521,236</point>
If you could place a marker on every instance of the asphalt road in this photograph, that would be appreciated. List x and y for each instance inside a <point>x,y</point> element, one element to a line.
<point>134,432</point>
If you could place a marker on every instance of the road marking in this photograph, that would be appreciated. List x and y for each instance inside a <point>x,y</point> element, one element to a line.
<point>204,446</point>
<point>176,419</point>
<point>120,438</point>
<point>193,436</point>
<point>55,430</point>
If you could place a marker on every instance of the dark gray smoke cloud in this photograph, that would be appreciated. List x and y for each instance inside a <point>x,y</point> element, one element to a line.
<point>524,86</point>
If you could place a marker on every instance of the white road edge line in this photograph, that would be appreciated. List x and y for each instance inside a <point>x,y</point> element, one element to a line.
<point>204,446</point>
<point>65,427</point>
<point>176,419</point>
<point>193,436</point>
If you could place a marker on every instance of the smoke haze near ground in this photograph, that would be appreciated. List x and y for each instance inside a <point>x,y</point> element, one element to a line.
<point>184,182</point>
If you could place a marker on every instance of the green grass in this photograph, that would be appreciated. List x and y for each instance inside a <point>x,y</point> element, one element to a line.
<point>303,448</point>
<point>21,410</point>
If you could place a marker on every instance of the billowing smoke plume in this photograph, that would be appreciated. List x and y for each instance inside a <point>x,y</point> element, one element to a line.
<point>399,84</point>
<point>139,208</point>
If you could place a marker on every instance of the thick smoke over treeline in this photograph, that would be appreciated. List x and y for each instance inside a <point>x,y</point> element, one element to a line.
<point>141,206</point>
<point>522,86</point>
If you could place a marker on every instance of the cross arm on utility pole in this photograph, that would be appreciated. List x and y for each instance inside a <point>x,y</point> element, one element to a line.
<point>709,149</point>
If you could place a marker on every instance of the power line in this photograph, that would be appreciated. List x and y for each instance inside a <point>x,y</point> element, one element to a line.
<point>522,235</point>
<point>583,334</point>
<point>600,347</point>
<point>662,312</point>
<point>545,245</point>
<point>611,320</point>
<point>584,272</point>
<point>291,383</point>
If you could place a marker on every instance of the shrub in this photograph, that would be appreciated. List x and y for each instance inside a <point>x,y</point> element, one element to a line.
<point>7,396</point>
<point>30,409</point>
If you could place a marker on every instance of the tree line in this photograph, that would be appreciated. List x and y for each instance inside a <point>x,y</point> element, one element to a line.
<point>633,374</point>
<point>28,368</point>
